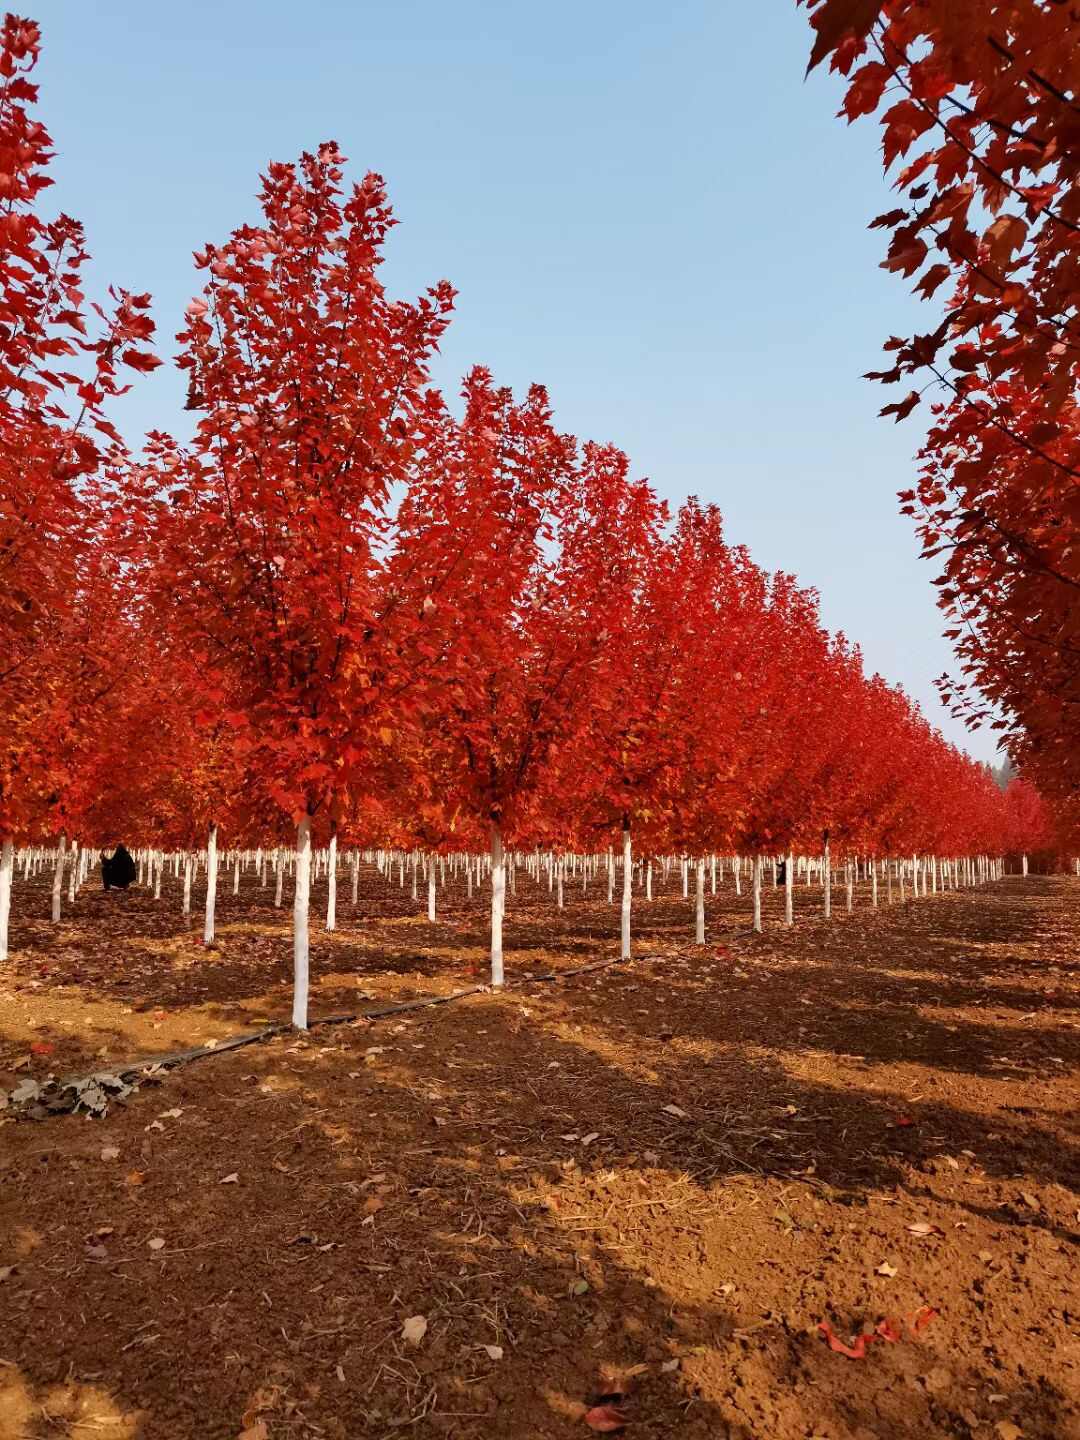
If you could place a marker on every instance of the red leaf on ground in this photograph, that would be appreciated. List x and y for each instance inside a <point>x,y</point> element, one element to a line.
<point>855,1351</point>
<point>903,1121</point>
<point>921,1318</point>
<point>890,1329</point>
<point>606,1418</point>
<point>42,1047</point>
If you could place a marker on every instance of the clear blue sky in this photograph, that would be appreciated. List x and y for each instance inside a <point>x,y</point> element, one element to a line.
<point>643,206</point>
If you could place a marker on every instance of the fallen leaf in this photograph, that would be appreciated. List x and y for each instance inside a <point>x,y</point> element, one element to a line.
<point>886,1269</point>
<point>922,1228</point>
<point>1008,1431</point>
<point>42,1047</point>
<point>606,1418</point>
<point>669,1366</point>
<point>855,1351</point>
<point>257,1431</point>
<point>157,1243</point>
<point>579,1287</point>
<point>6,1271</point>
<point>135,1177</point>
<point>414,1329</point>
<point>1032,1201</point>
<point>674,1110</point>
<point>171,1114</point>
<point>588,1139</point>
<point>494,1352</point>
<point>109,1152</point>
<point>233,1179</point>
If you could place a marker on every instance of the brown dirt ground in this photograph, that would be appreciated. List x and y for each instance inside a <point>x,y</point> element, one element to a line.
<point>506,1167</point>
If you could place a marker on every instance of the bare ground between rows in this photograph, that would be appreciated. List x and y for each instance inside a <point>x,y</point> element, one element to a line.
<point>653,1181</point>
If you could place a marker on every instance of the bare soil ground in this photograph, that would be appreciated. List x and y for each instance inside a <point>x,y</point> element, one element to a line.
<point>651,1182</point>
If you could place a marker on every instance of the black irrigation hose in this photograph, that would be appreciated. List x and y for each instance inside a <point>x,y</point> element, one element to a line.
<point>175,1058</point>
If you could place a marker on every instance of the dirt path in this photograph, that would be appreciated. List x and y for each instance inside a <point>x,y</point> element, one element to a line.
<point>653,1182</point>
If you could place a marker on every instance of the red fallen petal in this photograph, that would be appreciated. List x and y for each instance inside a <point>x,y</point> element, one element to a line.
<point>921,1318</point>
<point>42,1047</point>
<point>855,1351</point>
<point>605,1417</point>
<point>903,1121</point>
<point>890,1329</point>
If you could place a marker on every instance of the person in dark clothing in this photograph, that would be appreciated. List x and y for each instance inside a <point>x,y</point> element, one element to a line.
<point>117,870</point>
<point>781,872</point>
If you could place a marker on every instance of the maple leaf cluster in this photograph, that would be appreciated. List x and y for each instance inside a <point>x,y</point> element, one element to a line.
<point>980,117</point>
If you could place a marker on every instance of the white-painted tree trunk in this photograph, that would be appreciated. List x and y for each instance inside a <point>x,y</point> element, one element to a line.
<point>331,882</point>
<point>7,869</point>
<point>826,880</point>
<point>279,877</point>
<point>186,903</point>
<point>789,890</point>
<point>498,906</point>
<point>627,892</point>
<point>211,884</point>
<point>236,875</point>
<point>648,880</point>
<point>736,870</point>
<point>355,877</point>
<point>58,877</point>
<point>756,880</point>
<point>699,904</point>
<point>873,884</point>
<point>76,871</point>
<point>1023,865</point>
<point>301,899</point>
<point>159,867</point>
<point>431,889</point>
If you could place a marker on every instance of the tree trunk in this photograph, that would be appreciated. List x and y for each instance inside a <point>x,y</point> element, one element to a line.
<point>211,884</point>
<point>331,881</point>
<point>301,897</point>
<point>699,904</point>
<point>58,877</point>
<point>236,875</point>
<point>279,877</point>
<point>159,866</point>
<point>789,891</point>
<point>498,906</point>
<point>757,893</point>
<point>73,878</point>
<point>431,889</point>
<point>186,906</point>
<point>627,891</point>
<point>826,880</point>
<point>355,876</point>
<point>873,884</point>
<point>7,866</point>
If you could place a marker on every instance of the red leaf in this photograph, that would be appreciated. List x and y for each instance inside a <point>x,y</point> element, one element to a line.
<point>140,360</point>
<point>42,1047</point>
<point>606,1418</point>
<point>855,1351</point>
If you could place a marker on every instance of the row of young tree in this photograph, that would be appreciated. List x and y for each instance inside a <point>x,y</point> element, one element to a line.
<point>347,609</point>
